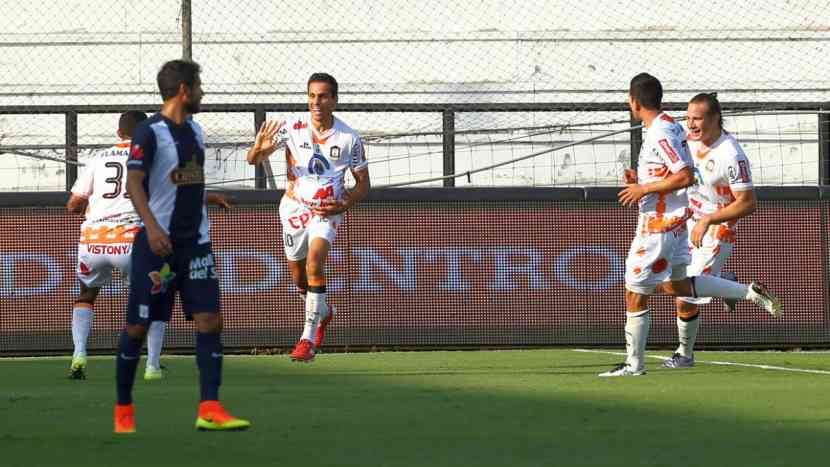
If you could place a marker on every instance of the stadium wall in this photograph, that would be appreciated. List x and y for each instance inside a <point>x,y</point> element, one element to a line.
<point>433,268</point>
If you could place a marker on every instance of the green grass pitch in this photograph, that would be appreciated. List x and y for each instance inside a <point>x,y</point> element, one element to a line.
<point>505,408</point>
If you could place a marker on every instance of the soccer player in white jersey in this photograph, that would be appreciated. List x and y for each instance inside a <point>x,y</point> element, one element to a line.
<point>723,194</point>
<point>658,255</point>
<point>319,149</point>
<point>106,241</point>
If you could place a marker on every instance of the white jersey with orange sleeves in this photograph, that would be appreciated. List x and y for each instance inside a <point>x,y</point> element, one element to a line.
<point>664,152</point>
<point>111,221</point>
<point>317,163</point>
<point>110,215</point>
<point>719,170</point>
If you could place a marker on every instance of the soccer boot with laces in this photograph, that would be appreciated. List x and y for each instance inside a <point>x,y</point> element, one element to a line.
<point>321,328</point>
<point>763,297</point>
<point>77,369</point>
<point>679,361</point>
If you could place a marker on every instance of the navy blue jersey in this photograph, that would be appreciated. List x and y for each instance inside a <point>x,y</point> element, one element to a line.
<point>172,158</point>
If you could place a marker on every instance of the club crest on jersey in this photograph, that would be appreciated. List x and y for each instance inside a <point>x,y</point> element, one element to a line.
<point>334,153</point>
<point>710,166</point>
<point>318,165</point>
<point>190,174</point>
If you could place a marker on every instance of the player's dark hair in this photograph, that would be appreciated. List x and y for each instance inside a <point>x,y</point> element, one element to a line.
<point>712,104</point>
<point>323,78</point>
<point>647,90</point>
<point>129,120</point>
<point>175,73</point>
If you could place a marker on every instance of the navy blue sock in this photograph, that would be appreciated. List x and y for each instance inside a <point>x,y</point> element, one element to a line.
<point>125,364</point>
<point>209,360</point>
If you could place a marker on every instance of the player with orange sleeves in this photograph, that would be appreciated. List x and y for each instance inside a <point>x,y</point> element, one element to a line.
<point>657,259</point>
<point>723,194</point>
<point>106,242</point>
<point>319,149</point>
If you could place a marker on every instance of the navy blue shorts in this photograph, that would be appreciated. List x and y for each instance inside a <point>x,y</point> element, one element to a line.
<point>154,281</point>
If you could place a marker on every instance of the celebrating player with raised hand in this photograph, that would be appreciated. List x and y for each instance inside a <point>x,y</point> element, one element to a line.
<point>659,255</point>
<point>172,253</point>
<point>106,241</point>
<point>722,194</point>
<point>319,148</point>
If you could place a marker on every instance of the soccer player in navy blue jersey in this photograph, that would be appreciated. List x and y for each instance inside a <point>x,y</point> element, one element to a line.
<point>172,252</point>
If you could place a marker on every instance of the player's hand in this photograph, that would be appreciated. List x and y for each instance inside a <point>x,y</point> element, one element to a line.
<point>266,138</point>
<point>699,231</point>
<point>330,208</point>
<point>631,194</point>
<point>629,176</point>
<point>159,241</point>
<point>218,199</point>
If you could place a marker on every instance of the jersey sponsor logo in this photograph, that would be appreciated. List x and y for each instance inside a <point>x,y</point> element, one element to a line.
<point>108,249</point>
<point>743,171</point>
<point>300,125</point>
<point>334,153</point>
<point>161,279</point>
<point>318,165</point>
<point>190,174</point>
<point>202,268</point>
<point>137,152</point>
<point>664,143</point>
<point>305,145</point>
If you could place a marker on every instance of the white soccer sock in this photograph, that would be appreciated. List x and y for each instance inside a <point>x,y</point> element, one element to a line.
<point>711,286</point>
<point>82,316</point>
<point>637,325</point>
<point>155,339</point>
<point>687,333</point>
<point>315,307</point>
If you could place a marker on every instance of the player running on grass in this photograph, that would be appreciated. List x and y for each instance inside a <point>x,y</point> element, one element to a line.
<point>658,256</point>
<point>172,252</point>
<point>723,194</point>
<point>106,241</point>
<point>319,148</point>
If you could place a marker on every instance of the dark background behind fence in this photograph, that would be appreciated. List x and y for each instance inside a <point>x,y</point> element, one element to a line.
<point>433,268</point>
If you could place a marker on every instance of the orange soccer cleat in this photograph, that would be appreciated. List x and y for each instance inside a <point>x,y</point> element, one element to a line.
<point>124,418</point>
<point>303,351</point>
<point>214,417</point>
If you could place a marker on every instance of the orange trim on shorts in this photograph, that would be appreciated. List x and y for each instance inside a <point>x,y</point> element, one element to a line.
<point>105,235</point>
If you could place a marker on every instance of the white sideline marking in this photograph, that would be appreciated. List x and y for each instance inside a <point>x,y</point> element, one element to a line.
<point>745,365</point>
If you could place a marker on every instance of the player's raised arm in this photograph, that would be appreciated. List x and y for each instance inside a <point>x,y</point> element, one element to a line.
<point>266,142</point>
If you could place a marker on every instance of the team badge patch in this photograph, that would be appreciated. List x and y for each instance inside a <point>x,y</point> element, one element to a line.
<point>664,143</point>
<point>334,153</point>
<point>161,279</point>
<point>137,152</point>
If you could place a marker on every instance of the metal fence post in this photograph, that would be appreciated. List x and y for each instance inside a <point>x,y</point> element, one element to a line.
<point>187,31</point>
<point>636,141</point>
<point>824,147</point>
<point>71,148</point>
<point>448,138</point>
<point>259,170</point>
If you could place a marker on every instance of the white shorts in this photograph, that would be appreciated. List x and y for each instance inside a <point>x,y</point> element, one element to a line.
<point>654,258</point>
<point>300,227</point>
<point>97,260</point>
<point>708,259</point>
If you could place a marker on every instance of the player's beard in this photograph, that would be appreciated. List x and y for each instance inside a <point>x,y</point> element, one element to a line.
<point>193,107</point>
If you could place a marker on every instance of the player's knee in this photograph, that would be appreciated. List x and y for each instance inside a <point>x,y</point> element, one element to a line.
<point>136,331</point>
<point>686,311</point>
<point>87,295</point>
<point>209,323</point>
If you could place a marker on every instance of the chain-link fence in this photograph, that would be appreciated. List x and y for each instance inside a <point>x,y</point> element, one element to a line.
<point>96,52</point>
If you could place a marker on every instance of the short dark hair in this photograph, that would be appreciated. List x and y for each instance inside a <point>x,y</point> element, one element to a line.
<point>647,90</point>
<point>129,120</point>
<point>323,78</point>
<point>712,104</point>
<point>175,73</point>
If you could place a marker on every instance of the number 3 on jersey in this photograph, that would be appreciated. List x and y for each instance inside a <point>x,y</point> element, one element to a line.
<point>117,180</point>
